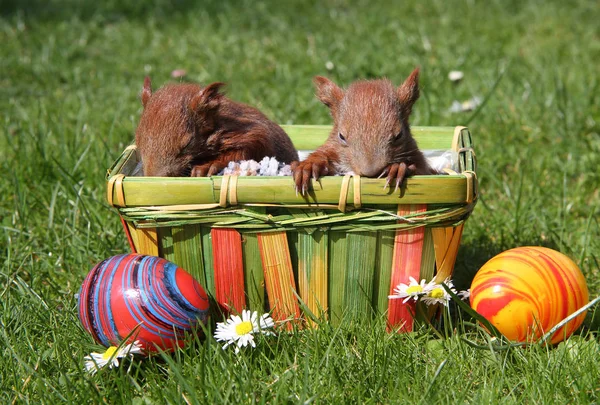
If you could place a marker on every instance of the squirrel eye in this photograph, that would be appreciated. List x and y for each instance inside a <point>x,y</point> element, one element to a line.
<point>342,138</point>
<point>398,135</point>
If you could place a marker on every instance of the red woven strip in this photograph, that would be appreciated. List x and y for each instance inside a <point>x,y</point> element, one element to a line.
<point>408,248</point>
<point>229,269</point>
<point>128,234</point>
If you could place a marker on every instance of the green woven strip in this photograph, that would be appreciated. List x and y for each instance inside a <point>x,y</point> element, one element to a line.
<point>358,287</point>
<point>312,270</point>
<point>253,273</point>
<point>254,277</point>
<point>425,313</point>
<point>302,216</point>
<point>428,257</point>
<point>366,220</point>
<point>165,245</point>
<point>207,258</point>
<point>383,270</point>
<point>338,257</point>
<point>187,249</point>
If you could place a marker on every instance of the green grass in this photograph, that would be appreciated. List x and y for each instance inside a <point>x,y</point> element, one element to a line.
<point>70,76</point>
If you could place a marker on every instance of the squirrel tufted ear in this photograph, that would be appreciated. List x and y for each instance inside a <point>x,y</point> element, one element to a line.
<point>146,91</point>
<point>328,92</point>
<point>207,99</point>
<point>408,93</point>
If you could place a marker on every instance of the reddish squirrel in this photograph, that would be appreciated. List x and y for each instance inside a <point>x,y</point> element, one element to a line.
<point>190,130</point>
<point>371,135</point>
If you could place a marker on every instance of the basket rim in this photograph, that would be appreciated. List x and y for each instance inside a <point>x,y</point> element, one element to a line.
<point>330,192</point>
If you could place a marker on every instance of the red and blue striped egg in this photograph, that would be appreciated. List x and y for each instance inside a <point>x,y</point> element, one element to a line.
<point>143,298</point>
<point>526,291</point>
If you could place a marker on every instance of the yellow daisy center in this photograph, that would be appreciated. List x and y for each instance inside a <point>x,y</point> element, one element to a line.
<point>414,289</point>
<point>244,328</point>
<point>437,293</point>
<point>109,353</point>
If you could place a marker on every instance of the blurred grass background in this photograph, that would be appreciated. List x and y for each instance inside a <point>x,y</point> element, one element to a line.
<point>70,75</point>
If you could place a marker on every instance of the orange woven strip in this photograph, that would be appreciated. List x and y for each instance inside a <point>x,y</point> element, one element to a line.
<point>279,276</point>
<point>408,248</point>
<point>229,269</point>
<point>147,241</point>
<point>446,242</point>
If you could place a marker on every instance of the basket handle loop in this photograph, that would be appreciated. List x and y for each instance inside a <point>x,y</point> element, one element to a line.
<point>224,188</point>
<point>344,192</point>
<point>228,187</point>
<point>357,194</point>
<point>115,183</point>
<point>233,190</point>
<point>471,185</point>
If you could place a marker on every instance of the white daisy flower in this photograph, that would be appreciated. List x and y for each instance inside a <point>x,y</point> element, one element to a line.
<point>437,294</point>
<point>241,330</point>
<point>412,290</point>
<point>465,295</point>
<point>95,361</point>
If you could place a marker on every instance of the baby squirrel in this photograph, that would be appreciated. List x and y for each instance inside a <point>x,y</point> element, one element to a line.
<point>371,135</point>
<point>190,130</point>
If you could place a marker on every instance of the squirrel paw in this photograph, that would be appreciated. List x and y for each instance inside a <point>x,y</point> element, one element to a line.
<point>207,169</point>
<point>302,172</point>
<point>398,171</point>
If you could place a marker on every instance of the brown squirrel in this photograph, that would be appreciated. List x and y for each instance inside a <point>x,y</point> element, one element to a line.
<point>371,135</point>
<point>190,130</point>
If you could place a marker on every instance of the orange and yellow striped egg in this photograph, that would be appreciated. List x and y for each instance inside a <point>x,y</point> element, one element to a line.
<point>526,291</point>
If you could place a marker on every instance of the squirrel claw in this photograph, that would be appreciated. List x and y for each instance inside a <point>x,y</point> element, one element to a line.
<point>207,169</point>
<point>398,171</point>
<point>304,171</point>
<point>398,181</point>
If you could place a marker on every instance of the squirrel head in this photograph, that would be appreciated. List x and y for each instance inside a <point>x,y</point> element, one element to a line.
<point>371,121</point>
<point>174,126</point>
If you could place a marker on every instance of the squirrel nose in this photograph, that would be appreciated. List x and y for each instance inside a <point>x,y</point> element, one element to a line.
<point>369,170</point>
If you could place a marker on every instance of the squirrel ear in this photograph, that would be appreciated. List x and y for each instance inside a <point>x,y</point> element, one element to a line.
<point>408,93</point>
<point>207,99</point>
<point>146,91</point>
<point>328,92</point>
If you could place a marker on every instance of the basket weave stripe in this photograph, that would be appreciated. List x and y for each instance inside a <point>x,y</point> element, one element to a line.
<point>229,269</point>
<point>428,256</point>
<point>358,287</point>
<point>147,241</point>
<point>279,277</point>
<point>338,260</point>
<point>128,235</point>
<point>254,275</point>
<point>408,250</point>
<point>446,241</point>
<point>312,271</point>
<point>383,270</point>
<point>187,250</point>
<point>207,256</point>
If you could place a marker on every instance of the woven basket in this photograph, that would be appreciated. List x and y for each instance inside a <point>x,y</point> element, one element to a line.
<point>252,242</point>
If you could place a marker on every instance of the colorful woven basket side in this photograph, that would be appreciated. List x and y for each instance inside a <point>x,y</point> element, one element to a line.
<point>253,243</point>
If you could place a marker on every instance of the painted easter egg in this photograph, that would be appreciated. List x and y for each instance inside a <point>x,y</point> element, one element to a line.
<point>526,291</point>
<point>143,298</point>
